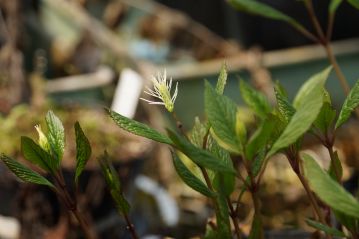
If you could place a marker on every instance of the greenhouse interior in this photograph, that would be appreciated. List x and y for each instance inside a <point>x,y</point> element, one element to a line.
<point>188,119</point>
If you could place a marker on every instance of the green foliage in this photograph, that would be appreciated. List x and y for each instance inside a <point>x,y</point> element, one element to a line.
<point>257,8</point>
<point>222,182</point>
<point>24,173</point>
<point>328,230</point>
<point>350,103</point>
<point>254,99</point>
<point>325,118</point>
<point>199,156</point>
<point>317,80</point>
<point>114,184</point>
<point>138,128</point>
<point>260,138</point>
<point>221,113</point>
<point>36,155</point>
<point>189,178</point>
<point>333,6</point>
<point>328,190</point>
<point>55,136</point>
<point>222,216</point>
<point>308,102</point>
<point>198,133</point>
<point>83,150</point>
<point>354,3</point>
<point>336,169</point>
<point>285,109</point>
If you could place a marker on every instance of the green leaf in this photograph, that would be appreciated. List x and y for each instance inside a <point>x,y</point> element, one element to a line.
<point>114,184</point>
<point>222,80</point>
<point>328,230</point>
<point>325,118</point>
<point>222,182</point>
<point>350,103</point>
<point>83,150</point>
<point>354,3</point>
<point>198,133</point>
<point>55,136</point>
<point>336,169</point>
<point>306,89</point>
<point>189,178</point>
<point>199,156</point>
<point>309,101</point>
<point>222,217</point>
<point>221,113</point>
<point>36,155</point>
<point>138,128</point>
<point>328,190</point>
<point>261,9</point>
<point>260,138</point>
<point>349,222</point>
<point>285,109</point>
<point>254,99</point>
<point>334,4</point>
<point>24,173</point>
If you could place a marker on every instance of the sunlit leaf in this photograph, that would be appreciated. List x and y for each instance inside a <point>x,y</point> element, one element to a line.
<point>55,136</point>
<point>308,101</point>
<point>221,113</point>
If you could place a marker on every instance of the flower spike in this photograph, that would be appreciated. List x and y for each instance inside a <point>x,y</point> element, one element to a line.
<point>162,91</point>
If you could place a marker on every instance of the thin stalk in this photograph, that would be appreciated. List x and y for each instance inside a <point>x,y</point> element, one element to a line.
<point>314,19</point>
<point>72,206</point>
<point>331,57</point>
<point>130,227</point>
<point>234,217</point>
<point>331,19</point>
<point>255,199</point>
<point>317,212</point>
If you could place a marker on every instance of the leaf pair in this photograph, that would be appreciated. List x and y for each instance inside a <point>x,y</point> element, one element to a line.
<point>49,159</point>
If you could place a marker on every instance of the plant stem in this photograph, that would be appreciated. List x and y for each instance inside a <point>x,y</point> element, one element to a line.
<point>343,82</point>
<point>130,227</point>
<point>331,19</point>
<point>72,206</point>
<point>256,203</point>
<point>234,217</point>
<point>314,19</point>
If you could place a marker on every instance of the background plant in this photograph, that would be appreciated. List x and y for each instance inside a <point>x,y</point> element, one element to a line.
<point>221,142</point>
<point>47,155</point>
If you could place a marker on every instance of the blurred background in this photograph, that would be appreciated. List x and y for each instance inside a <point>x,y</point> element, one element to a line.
<point>78,56</point>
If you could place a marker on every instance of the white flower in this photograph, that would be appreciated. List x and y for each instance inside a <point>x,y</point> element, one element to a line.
<point>162,90</point>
